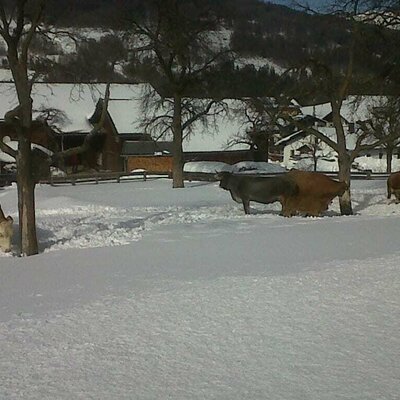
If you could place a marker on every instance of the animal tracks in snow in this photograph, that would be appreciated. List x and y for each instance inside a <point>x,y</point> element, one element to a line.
<point>99,226</point>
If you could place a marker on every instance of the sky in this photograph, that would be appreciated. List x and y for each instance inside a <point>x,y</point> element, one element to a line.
<point>318,5</point>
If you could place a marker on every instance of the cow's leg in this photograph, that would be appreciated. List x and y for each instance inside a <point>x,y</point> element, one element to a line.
<point>287,208</point>
<point>246,206</point>
<point>286,212</point>
<point>389,189</point>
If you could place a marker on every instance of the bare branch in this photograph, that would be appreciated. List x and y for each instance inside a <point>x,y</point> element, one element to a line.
<point>8,150</point>
<point>299,124</point>
<point>198,115</point>
<point>5,25</point>
<point>32,30</point>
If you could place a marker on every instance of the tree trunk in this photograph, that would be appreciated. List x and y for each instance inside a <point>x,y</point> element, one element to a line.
<point>18,40</point>
<point>389,156</point>
<point>25,179</point>
<point>178,160</point>
<point>345,176</point>
<point>26,197</point>
<point>263,147</point>
<point>315,160</point>
<point>344,159</point>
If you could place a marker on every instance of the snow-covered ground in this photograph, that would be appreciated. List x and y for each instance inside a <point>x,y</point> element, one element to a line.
<point>146,292</point>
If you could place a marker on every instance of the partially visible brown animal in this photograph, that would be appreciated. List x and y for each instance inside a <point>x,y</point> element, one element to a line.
<point>6,231</point>
<point>393,186</point>
<point>316,192</point>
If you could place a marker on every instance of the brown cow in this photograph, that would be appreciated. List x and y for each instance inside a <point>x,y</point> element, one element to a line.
<point>316,192</point>
<point>6,231</point>
<point>393,186</point>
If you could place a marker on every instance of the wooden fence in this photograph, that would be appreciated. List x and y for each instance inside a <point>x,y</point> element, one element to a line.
<point>96,177</point>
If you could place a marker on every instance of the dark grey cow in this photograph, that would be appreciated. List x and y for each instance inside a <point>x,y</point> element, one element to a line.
<point>244,188</point>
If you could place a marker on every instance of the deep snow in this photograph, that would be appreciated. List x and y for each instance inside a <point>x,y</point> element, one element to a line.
<point>145,292</point>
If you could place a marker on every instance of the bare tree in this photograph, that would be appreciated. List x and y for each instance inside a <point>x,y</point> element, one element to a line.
<point>176,41</point>
<point>384,125</point>
<point>262,120</point>
<point>336,83</point>
<point>94,61</point>
<point>18,26</point>
<point>384,13</point>
<point>20,23</point>
<point>159,115</point>
<point>93,142</point>
<point>315,150</point>
<point>365,140</point>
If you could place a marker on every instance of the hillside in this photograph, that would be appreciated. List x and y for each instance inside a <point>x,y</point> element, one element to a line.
<point>265,39</point>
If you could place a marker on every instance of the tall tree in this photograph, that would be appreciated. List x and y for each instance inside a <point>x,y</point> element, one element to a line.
<point>336,84</point>
<point>262,119</point>
<point>176,38</point>
<point>384,125</point>
<point>19,23</point>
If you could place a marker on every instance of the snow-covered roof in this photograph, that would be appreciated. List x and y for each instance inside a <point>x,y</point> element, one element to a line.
<point>353,108</point>
<point>4,157</point>
<point>289,138</point>
<point>78,102</point>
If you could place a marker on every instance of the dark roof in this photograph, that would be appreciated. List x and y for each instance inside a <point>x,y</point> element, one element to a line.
<point>36,123</point>
<point>72,139</point>
<point>135,137</point>
<point>145,147</point>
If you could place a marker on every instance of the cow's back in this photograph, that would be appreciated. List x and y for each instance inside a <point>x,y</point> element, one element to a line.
<point>316,183</point>
<point>245,188</point>
<point>266,189</point>
<point>316,191</point>
<point>394,180</point>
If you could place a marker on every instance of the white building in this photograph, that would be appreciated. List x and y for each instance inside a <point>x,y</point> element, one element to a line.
<point>303,150</point>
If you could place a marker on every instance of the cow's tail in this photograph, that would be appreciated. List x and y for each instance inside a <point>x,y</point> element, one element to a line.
<point>389,189</point>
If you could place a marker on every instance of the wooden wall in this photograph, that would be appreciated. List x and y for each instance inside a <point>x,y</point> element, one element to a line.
<point>149,163</point>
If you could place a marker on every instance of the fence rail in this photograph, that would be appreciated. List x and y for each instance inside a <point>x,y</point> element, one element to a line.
<point>96,177</point>
<point>210,176</point>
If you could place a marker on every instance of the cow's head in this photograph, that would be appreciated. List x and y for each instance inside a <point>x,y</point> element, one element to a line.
<point>224,178</point>
<point>6,233</point>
